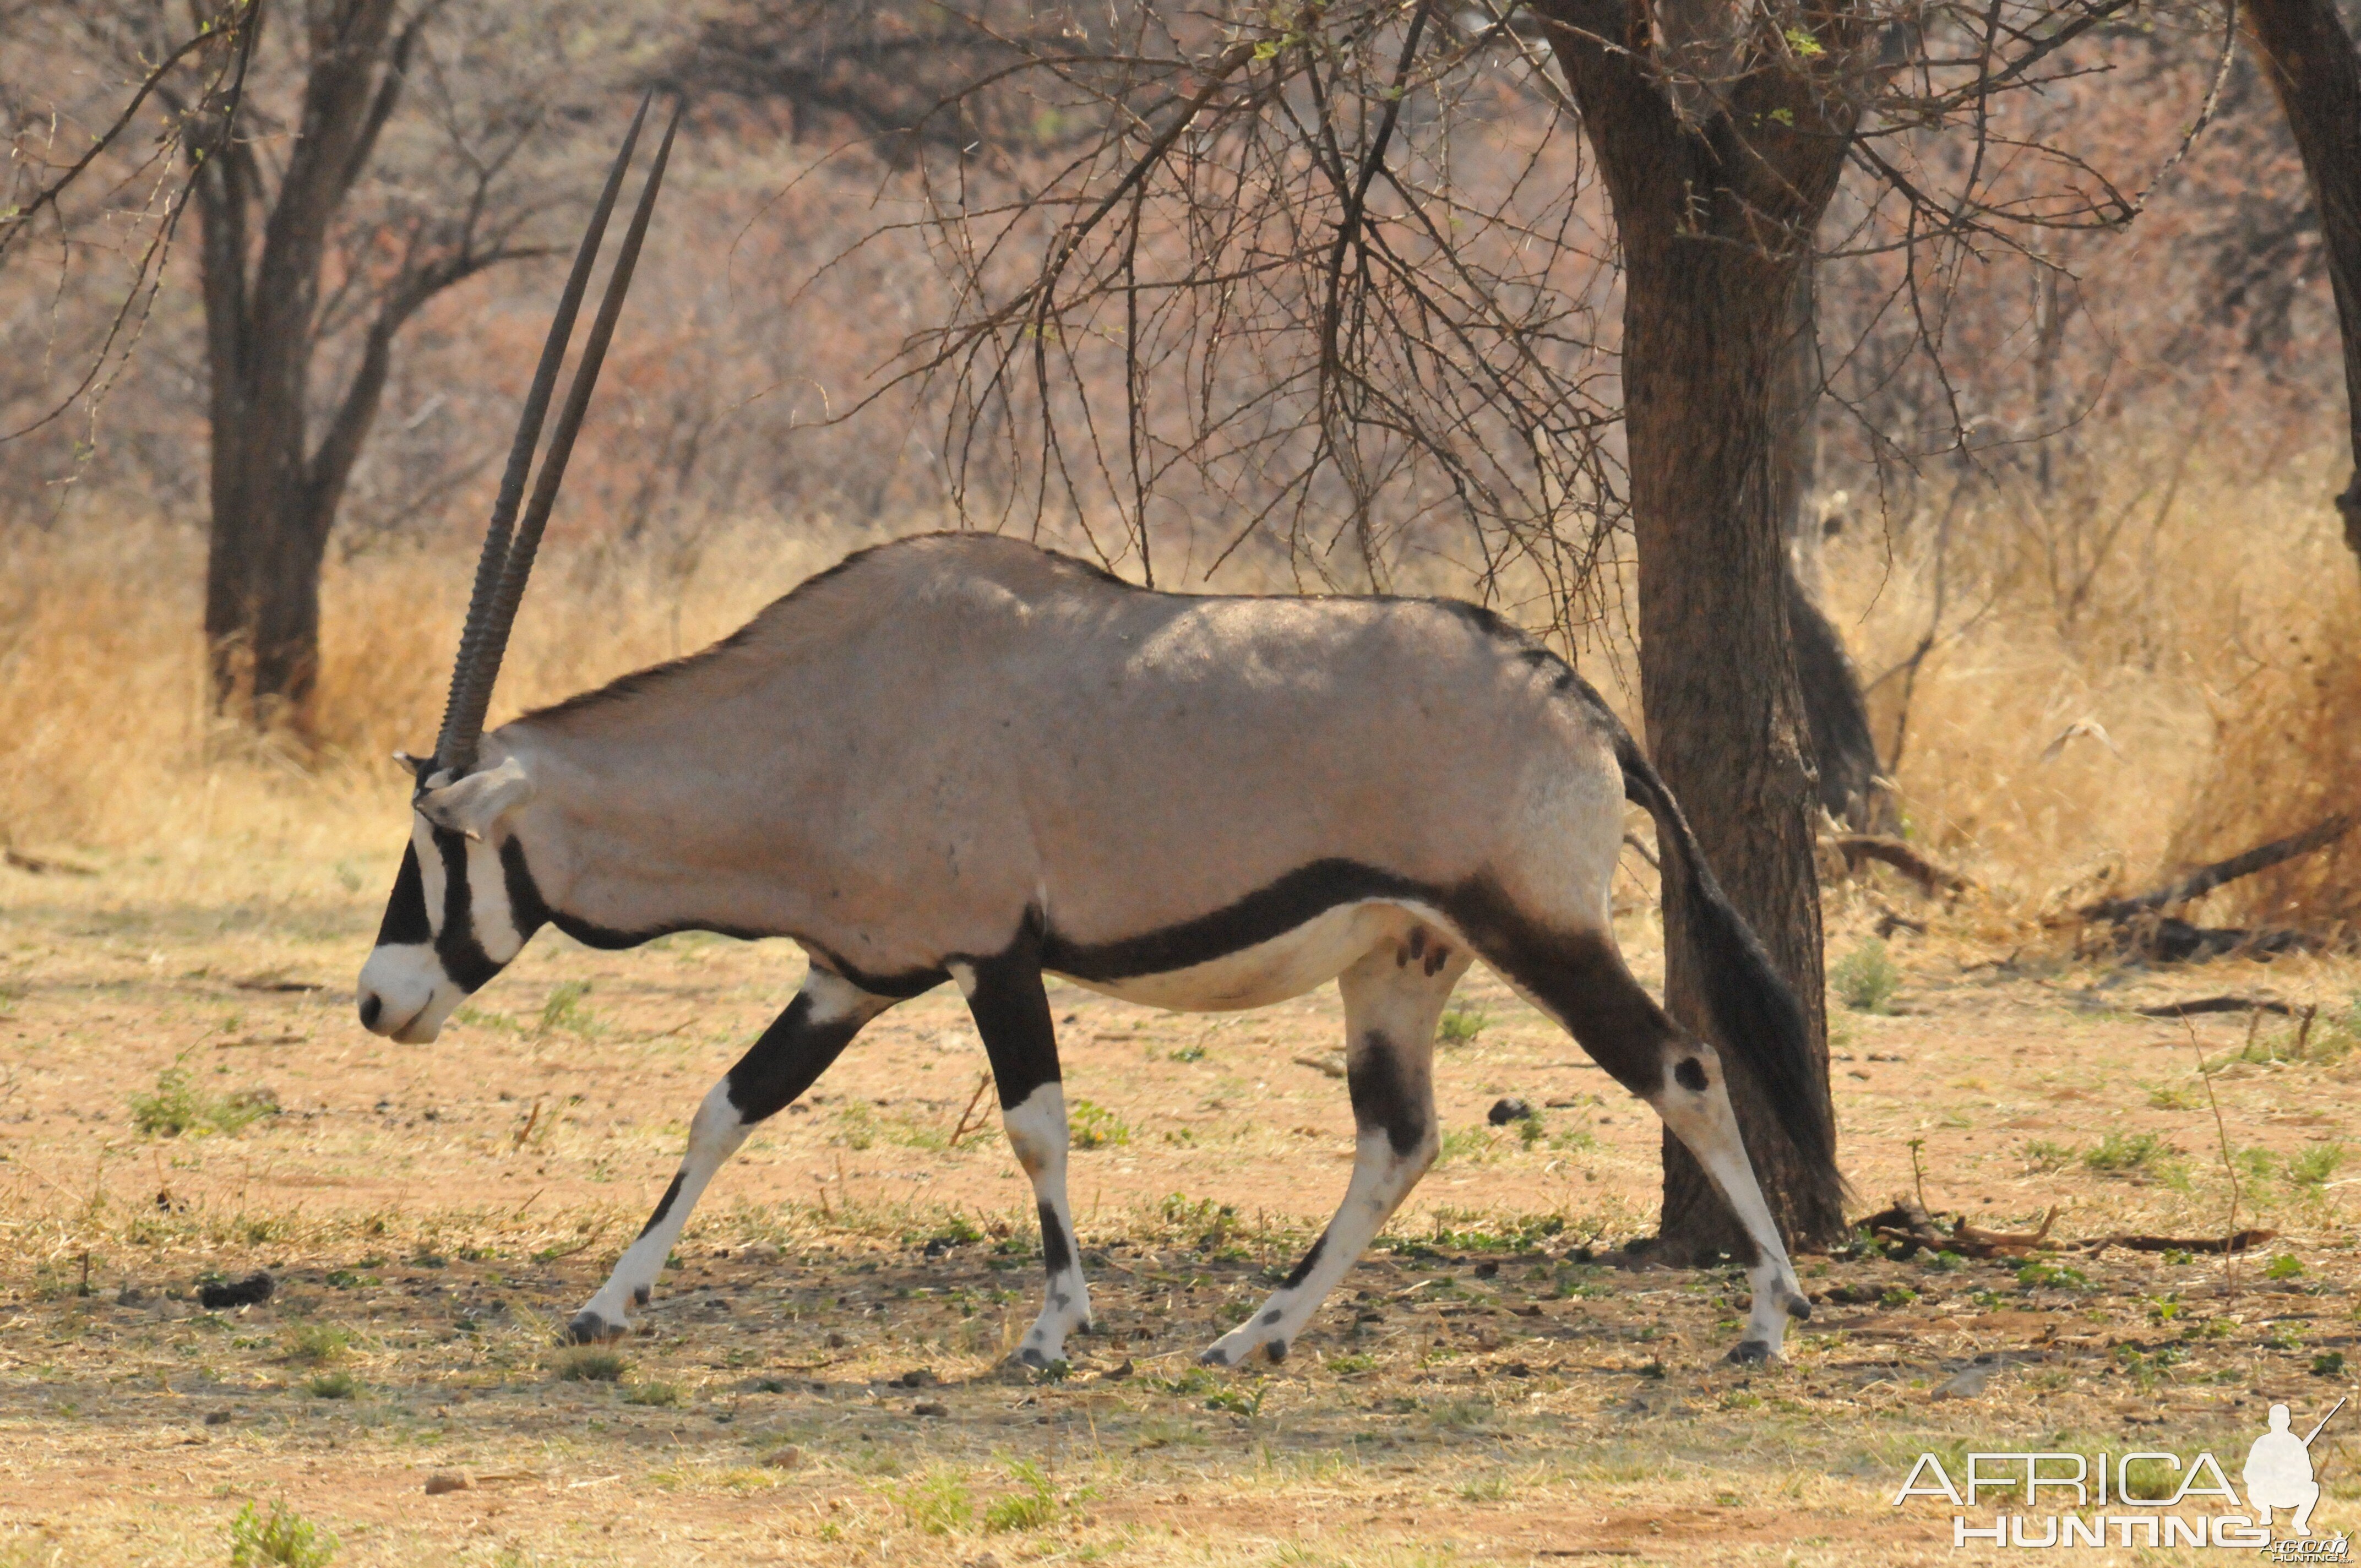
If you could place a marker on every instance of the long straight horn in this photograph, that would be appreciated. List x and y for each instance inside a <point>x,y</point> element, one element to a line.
<point>491,607</point>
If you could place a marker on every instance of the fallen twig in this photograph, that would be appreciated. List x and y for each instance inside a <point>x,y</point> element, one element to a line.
<point>1932,876</point>
<point>1329,1066</point>
<point>981,1083</point>
<point>2215,1005</point>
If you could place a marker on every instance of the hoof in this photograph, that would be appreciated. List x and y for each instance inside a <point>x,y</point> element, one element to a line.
<point>1276,1349</point>
<point>1752,1351</point>
<point>1214,1356</point>
<point>1799,1309</point>
<point>589,1328</point>
<point>640,1294</point>
<point>1030,1357</point>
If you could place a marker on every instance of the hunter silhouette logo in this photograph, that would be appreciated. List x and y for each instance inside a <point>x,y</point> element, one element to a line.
<point>2278,1471</point>
<point>2114,1505</point>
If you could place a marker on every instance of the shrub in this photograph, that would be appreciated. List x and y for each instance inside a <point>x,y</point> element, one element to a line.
<point>662,1395</point>
<point>283,1538</point>
<point>332,1385</point>
<point>1866,979</point>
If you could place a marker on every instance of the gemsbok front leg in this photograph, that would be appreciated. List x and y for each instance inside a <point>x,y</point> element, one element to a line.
<point>1393,999</point>
<point>827,1012</point>
<point>1010,1010</point>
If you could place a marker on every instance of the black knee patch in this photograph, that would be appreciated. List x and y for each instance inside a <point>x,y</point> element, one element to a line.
<point>1690,1075</point>
<point>1383,1095</point>
<point>786,1059</point>
<point>1302,1270</point>
<point>1057,1252</point>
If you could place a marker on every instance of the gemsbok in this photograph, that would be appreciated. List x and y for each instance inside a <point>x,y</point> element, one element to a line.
<point>959,757</point>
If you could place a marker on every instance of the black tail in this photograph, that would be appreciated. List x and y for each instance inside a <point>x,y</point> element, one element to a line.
<point>1753,1010</point>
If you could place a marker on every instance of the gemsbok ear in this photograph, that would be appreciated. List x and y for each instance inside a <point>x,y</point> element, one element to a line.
<point>473,805</point>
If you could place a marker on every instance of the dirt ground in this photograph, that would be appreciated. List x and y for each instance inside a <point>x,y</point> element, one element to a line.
<point>817,1381</point>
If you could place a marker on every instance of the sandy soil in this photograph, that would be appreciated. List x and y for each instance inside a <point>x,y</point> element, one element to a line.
<point>1485,1388</point>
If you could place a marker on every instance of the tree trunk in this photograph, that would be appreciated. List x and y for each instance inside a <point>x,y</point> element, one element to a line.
<point>1715,224</point>
<point>2313,69</point>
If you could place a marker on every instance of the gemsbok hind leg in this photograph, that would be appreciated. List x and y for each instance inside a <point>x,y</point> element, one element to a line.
<point>1589,990</point>
<point>1393,999</point>
<point>1010,1010</point>
<point>827,1012</point>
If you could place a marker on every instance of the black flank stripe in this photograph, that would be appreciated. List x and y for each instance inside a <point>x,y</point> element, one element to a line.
<point>1262,915</point>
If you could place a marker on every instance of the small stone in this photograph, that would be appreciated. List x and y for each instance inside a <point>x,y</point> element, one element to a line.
<point>1966,1383</point>
<point>917,1377</point>
<point>1116,1375</point>
<point>443,1481</point>
<point>787,1458</point>
<point>929,1408</point>
<point>1504,1112</point>
<point>218,1418</point>
<point>835,1340</point>
<point>130,1296</point>
<point>251,1291</point>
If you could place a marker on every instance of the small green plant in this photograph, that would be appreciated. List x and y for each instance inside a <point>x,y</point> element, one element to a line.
<point>1897,1295</point>
<point>2328,1363</point>
<point>591,1366</point>
<point>2132,1156</point>
<point>1346,1366</point>
<point>1461,1023</point>
<point>2042,1275</point>
<point>1035,1506</point>
<point>1235,1401</point>
<point>1866,979</point>
<point>564,1010</point>
<point>1477,1146</point>
<point>2315,1164</point>
<point>316,1344</point>
<point>856,1124</point>
<point>280,1538</point>
<point>1186,1053</point>
<point>2286,1266</point>
<point>2041,1155</point>
<point>181,1104</point>
<point>2173,1097</point>
<point>939,1503</point>
<point>662,1396</point>
<point>1092,1126</point>
<point>333,1386</point>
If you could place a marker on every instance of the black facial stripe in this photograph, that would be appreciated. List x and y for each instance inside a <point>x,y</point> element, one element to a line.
<point>525,906</point>
<point>406,919</point>
<point>464,959</point>
<point>1057,1252</point>
<point>1383,1095</point>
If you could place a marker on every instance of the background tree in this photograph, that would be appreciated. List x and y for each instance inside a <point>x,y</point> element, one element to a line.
<point>343,176</point>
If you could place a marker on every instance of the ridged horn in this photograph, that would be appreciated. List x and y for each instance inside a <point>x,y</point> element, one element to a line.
<point>507,559</point>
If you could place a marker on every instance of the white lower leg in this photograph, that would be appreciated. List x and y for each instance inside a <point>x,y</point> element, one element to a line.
<point>713,1137</point>
<point>1702,1120</point>
<point>1381,1179</point>
<point>1036,1132</point>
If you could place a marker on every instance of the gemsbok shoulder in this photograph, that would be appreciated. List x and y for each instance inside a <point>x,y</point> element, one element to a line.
<point>962,757</point>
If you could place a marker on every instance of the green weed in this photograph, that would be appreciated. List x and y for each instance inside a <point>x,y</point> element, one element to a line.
<point>591,1366</point>
<point>1460,1024</point>
<point>2315,1164</point>
<point>1035,1506</point>
<point>939,1503</point>
<point>182,1105</point>
<point>1092,1126</point>
<point>564,1010</point>
<point>282,1538</point>
<point>1866,979</point>
<point>2135,1157</point>
<point>333,1386</point>
<point>662,1396</point>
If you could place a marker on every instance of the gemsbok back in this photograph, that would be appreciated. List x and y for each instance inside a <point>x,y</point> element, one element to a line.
<point>962,757</point>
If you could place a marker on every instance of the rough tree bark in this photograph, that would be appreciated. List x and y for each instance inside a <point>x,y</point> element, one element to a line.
<point>2313,68</point>
<point>274,492</point>
<point>1715,205</point>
